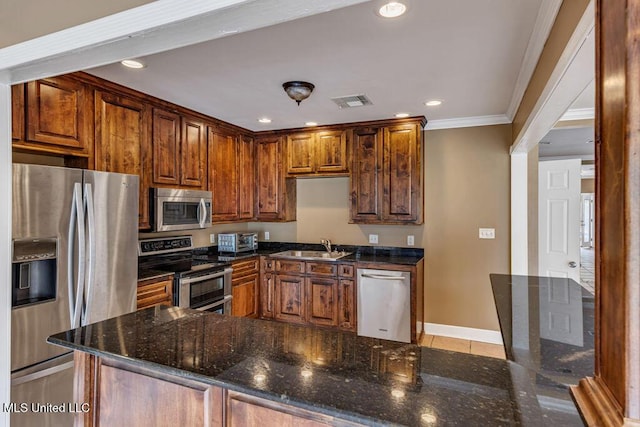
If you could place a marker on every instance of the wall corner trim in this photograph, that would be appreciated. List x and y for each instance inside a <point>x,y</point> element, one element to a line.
<point>465,122</point>
<point>473,334</point>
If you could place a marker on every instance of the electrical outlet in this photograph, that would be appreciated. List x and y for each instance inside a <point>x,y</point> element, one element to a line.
<point>373,238</point>
<point>266,235</point>
<point>487,233</point>
<point>410,240</point>
<point>212,238</point>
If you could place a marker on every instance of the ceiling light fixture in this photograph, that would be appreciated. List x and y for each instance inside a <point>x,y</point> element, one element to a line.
<point>402,115</point>
<point>433,103</point>
<point>311,123</point>
<point>264,120</point>
<point>297,90</point>
<point>392,9</point>
<point>132,63</point>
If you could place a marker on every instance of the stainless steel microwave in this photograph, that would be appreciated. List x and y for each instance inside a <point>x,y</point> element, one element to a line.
<point>177,209</point>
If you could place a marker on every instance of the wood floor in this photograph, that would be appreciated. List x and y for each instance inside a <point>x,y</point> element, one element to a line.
<point>464,346</point>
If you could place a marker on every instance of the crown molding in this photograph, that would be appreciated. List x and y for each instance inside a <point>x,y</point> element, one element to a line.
<point>465,122</point>
<point>579,114</point>
<point>541,29</point>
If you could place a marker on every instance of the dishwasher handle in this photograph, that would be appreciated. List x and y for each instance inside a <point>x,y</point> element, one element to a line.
<point>383,277</point>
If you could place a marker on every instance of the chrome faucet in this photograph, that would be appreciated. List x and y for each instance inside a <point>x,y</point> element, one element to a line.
<point>327,244</point>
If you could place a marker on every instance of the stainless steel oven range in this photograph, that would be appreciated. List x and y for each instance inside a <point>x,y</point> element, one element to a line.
<point>199,283</point>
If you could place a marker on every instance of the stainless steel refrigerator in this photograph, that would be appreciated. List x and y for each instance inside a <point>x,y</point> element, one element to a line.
<point>74,262</point>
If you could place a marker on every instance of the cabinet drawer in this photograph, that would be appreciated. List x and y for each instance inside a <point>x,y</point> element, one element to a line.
<point>292,267</point>
<point>153,292</point>
<point>321,268</point>
<point>345,270</point>
<point>245,267</point>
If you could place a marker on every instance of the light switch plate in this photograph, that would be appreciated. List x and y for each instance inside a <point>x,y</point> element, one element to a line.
<point>373,238</point>
<point>266,235</point>
<point>410,240</point>
<point>487,233</point>
<point>212,238</point>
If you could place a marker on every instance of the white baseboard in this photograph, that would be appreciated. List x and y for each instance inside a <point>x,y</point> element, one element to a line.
<point>482,335</point>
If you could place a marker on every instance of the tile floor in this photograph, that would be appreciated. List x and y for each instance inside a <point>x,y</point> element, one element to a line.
<point>464,346</point>
<point>587,269</point>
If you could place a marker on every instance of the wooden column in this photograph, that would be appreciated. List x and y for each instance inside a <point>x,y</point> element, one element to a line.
<point>612,396</point>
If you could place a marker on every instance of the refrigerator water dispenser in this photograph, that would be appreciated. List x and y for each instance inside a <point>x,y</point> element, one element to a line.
<point>34,271</point>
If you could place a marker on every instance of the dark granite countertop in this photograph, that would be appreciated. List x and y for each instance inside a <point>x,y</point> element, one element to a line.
<point>150,273</point>
<point>547,327</point>
<point>363,254</point>
<point>366,380</point>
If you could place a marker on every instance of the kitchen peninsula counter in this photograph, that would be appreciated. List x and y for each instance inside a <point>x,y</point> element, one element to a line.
<point>251,366</point>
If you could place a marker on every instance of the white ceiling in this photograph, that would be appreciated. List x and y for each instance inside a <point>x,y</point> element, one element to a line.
<point>568,142</point>
<point>465,52</point>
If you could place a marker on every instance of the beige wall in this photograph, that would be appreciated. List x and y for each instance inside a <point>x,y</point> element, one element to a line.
<point>568,17</point>
<point>467,187</point>
<point>22,20</point>
<point>588,186</point>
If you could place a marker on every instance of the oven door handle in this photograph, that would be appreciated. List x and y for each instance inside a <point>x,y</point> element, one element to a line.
<point>202,213</point>
<point>216,304</point>
<point>215,275</point>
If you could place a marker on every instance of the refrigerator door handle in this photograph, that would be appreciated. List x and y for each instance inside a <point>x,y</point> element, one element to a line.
<point>76,221</point>
<point>91,253</point>
<point>202,213</point>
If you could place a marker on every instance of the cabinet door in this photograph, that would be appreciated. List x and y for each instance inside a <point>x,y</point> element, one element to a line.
<point>347,305</point>
<point>58,113</point>
<point>331,152</point>
<point>193,154</point>
<point>246,176</point>
<point>122,142</point>
<point>245,296</point>
<point>402,185</point>
<point>166,147</point>
<point>322,297</point>
<point>267,295</point>
<point>223,174</point>
<point>300,153</point>
<point>276,197</point>
<point>366,178</point>
<point>17,112</point>
<point>289,301</point>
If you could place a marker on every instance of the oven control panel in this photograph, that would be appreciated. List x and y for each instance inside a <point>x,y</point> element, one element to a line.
<point>164,245</point>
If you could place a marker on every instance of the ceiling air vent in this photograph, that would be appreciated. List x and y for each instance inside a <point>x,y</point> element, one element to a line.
<point>352,101</point>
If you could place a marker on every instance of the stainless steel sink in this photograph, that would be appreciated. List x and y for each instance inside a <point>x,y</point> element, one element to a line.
<point>312,255</point>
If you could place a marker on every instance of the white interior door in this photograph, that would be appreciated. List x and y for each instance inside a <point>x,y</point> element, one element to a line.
<point>559,218</point>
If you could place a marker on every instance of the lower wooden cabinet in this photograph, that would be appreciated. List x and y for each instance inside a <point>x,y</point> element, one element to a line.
<point>122,394</point>
<point>155,291</point>
<point>245,287</point>
<point>318,293</point>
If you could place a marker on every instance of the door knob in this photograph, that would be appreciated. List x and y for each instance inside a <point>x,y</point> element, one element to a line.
<point>573,264</point>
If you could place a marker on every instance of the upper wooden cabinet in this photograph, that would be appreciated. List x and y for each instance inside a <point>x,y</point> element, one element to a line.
<point>317,153</point>
<point>123,142</point>
<point>58,116</point>
<point>275,195</point>
<point>231,175</point>
<point>386,178</point>
<point>17,112</point>
<point>179,150</point>
<point>193,153</point>
<point>166,147</point>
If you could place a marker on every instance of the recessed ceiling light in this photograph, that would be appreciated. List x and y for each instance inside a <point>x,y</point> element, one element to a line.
<point>433,103</point>
<point>392,9</point>
<point>132,63</point>
<point>398,394</point>
<point>311,123</point>
<point>402,115</point>
<point>264,120</point>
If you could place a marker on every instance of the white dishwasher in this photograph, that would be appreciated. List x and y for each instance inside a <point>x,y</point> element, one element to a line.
<point>384,309</point>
